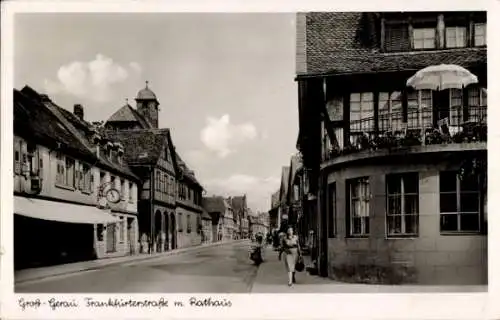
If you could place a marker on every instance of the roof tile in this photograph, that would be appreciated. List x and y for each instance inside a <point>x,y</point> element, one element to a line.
<point>346,42</point>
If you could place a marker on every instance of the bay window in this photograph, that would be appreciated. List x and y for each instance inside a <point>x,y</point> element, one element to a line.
<point>362,112</point>
<point>390,111</point>
<point>456,112</point>
<point>402,204</point>
<point>478,100</point>
<point>359,207</point>
<point>425,108</point>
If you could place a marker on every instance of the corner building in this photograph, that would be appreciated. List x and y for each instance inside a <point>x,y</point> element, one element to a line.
<point>394,205</point>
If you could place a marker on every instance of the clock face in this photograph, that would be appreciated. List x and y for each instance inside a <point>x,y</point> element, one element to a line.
<point>113,196</point>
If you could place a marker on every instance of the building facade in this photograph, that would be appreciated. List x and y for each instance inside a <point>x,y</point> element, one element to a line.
<point>72,184</point>
<point>259,224</point>
<point>401,173</point>
<point>189,206</point>
<point>207,233</point>
<point>240,207</point>
<point>169,195</point>
<point>222,226</point>
<point>273,212</point>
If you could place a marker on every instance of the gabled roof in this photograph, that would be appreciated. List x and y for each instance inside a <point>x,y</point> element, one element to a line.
<point>141,146</point>
<point>32,120</point>
<point>77,128</point>
<point>238,202</point>
<point>214,204</point>
<point>185,171</point>
<point>205,215</point>
<point>129,114</point>
<point>346,43</point>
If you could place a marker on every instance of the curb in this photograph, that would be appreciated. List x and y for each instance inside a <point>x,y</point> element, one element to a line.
<point>131,260</point>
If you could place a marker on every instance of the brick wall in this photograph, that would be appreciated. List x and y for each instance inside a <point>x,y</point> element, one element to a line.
<point>432,258</point>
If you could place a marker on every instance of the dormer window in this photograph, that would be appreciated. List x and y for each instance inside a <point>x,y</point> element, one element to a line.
<point>456,37</point>
<point>479,34</point>
<point>424,38</point>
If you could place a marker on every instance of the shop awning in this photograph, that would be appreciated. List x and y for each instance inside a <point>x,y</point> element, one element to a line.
<point>60,211</point>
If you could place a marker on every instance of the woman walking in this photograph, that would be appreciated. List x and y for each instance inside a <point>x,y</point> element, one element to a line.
<point>291,249</point>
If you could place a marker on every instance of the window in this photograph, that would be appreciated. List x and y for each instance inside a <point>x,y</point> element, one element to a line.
<point>188,222</point>
<point>85,178</point>
<point>479,34</point>
<point>123,185</point>
<point>397,38</point>
<point>17,158</point>
<point>413,109</point>
<point>390,111</point>
<point>332,210</point>
<point>455,37</point>
<point>424,38</point>
<point>32,159</point>
<point>65,171</point>
<point>456,117</point>
<point>477,104</point>
<point>359,207</point>
<point>179,222</point>
<point>402,204</point>
<point>41,167</point>
<point>362,111</point>
<point>122,229</point>
<point>61,169</point>
<point>459,202</point>
<point>130,192</point>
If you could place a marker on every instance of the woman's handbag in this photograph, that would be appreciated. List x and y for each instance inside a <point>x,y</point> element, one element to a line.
<point>299,266</point>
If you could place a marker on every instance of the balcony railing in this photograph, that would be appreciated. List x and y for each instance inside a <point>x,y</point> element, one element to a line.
<point>453,126</point>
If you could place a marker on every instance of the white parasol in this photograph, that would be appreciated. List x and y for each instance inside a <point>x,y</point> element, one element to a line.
<point>442,77</point>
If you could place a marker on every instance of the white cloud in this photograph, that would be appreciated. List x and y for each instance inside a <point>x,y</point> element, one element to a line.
<point>257,189</point>
<point>136,67</point>
<point>221,137</point>
<point>93,79</point>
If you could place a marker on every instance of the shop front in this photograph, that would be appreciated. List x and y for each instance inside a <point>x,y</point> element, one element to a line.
<point>52,232</point>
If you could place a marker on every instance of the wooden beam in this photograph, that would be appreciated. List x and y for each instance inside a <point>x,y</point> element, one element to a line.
<point>382,34</point>
<point>329,127</point>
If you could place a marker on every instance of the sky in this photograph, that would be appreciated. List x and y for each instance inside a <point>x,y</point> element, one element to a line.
<point>225,83</point>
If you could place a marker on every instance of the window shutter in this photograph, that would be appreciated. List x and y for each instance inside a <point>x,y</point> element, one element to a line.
<point>397,38</point>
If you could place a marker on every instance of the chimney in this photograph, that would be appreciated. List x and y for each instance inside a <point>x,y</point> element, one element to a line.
<point>78,111</point>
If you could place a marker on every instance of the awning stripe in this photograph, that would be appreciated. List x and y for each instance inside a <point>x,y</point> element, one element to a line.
<point>61,211</point>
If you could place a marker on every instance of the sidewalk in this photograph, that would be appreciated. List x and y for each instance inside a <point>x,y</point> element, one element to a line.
<point>272,278</point>
<point>33,274</point>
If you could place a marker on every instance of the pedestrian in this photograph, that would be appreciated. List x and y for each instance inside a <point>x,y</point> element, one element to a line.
<point>291,249</point>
